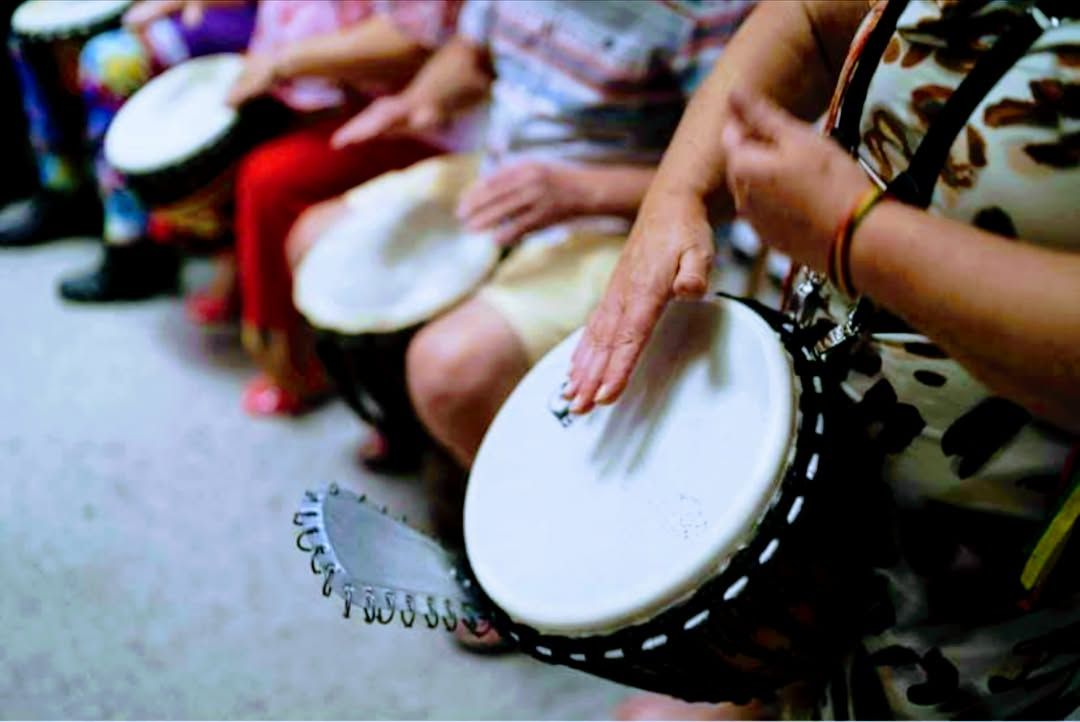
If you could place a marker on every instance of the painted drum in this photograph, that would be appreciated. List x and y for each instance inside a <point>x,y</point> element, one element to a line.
<point>175,117</point>
<point>178,143</point>
<point>52,19</point>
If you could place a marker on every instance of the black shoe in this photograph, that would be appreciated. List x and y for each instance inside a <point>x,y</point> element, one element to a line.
<point>48,215</point>
<point>127,273</point>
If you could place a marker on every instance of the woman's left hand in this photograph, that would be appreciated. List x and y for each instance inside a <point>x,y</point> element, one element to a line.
<point>792,184</point>
<point>259,76</point>
<point>522,198</point>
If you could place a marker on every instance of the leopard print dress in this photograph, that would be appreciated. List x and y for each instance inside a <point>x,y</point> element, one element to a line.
<point>972,478</point>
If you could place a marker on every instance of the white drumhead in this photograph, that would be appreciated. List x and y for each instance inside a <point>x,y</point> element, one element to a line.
<point>47,17</point>
<point>398,257</point>
<point>174,116</point>
<point>585,529</point>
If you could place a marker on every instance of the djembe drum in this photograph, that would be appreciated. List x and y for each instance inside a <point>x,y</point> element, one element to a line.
<point>178,143</point>
<point>398,258</point>
<point>687,540</point>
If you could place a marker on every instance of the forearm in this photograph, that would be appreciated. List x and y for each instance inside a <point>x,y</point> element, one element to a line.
<point>456,77</point>
<point>788,51</point>
<point>1008,311</point>
<point>374,52</point>
<point>613,190</point>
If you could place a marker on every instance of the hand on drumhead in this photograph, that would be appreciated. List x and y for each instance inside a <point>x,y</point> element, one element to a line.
<point>259,76</point>
<point>792,184</point>
<point>522,198</point>
<point>389,115</point>
<point>668,255</point>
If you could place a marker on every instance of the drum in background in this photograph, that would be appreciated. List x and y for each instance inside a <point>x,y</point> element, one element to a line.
<point>398,258</point>
<point>49,35</point>
<point>177,142</point>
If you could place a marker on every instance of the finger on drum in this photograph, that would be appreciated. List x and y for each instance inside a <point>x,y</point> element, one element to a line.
<point>637,326</point>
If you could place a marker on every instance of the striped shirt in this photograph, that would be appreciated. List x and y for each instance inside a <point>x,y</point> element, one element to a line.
<point>594,80</point>
<point>281,22</point>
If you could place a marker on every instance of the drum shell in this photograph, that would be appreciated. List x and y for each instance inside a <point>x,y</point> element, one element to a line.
<point>53,57</point>
<point>369,372</point>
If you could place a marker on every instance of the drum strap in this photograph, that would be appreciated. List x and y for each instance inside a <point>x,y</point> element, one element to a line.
<point>915,185</point>
<point>846,131</point>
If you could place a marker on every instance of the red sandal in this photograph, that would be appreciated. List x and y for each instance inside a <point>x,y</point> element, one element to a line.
<point>262,397</point>
<point>204,308</point>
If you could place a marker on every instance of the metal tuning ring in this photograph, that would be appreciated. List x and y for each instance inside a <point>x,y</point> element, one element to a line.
<point>391,602</point>
<point>317,552</point>
<point>450,620</point>
<point>326,585</point>
<point>431,616</point>
<point>300,539</point>
<point>347,592</point>
<point>408,615</point>
<point>369,605</point>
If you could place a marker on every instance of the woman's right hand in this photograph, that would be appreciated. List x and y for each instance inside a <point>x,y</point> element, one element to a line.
<point>390,115</point>
<point>143,13</point>
<point>668,255</point>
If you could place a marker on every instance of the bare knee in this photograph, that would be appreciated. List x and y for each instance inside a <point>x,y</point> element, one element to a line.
<point>443,376</point>
<point>459,370</point>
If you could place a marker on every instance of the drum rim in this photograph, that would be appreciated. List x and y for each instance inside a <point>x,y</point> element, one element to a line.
<point>76,30</point>
<point>811,459</point>
<point>404,321</point>
<point>618,609</point>
<point>130,107</point>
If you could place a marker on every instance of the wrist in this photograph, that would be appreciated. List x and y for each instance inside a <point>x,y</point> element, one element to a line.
<point>866,250</point>
<point>583,191</point>
<point>282,65</point>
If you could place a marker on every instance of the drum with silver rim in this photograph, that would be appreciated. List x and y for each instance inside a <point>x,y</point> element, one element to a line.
<point>397,258</point>
<point>177,141</point>
<point>686,540</point>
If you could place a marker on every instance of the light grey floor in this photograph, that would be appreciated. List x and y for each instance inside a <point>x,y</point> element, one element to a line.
<point>147,567</point>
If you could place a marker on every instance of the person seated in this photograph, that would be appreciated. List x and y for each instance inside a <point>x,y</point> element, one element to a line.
<point>67,130</point>
<point>970,371</point>
<point>324,60</point>
<point>584,97</point>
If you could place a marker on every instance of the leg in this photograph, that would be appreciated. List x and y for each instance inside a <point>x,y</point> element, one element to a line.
<point>275,184</point>
<point>660,707</point>
<point>112,66</point>
<point>460,368</point>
